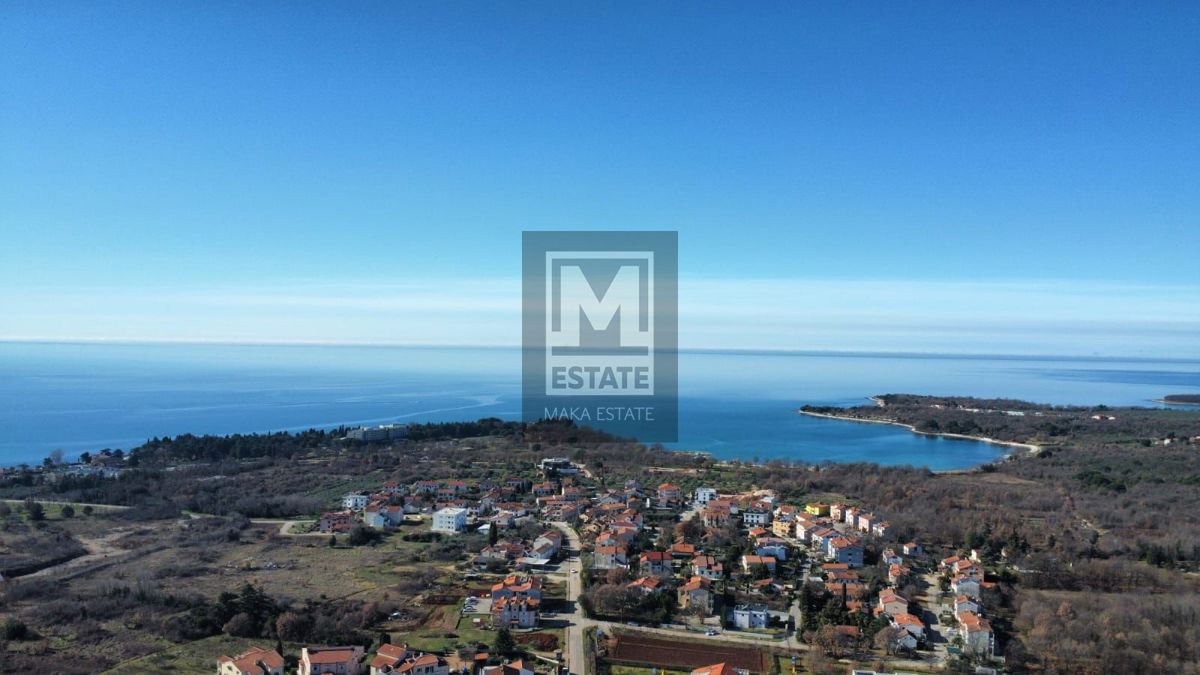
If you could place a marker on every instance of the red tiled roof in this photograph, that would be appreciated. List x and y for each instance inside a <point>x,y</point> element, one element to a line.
<point>248,661</point>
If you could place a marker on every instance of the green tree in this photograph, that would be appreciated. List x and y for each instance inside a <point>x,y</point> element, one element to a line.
<point>35,510</point>
<point>68,511</point>
<point>505,645</point>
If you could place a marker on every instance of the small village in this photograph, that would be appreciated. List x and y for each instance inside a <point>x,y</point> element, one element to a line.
<point>779,586</point>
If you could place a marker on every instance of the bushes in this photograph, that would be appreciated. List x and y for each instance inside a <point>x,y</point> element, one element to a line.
<point>362,536</point>
<point>12,629</point>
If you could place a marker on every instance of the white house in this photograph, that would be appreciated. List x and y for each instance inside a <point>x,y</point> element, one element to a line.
<point>336,660</point>
<point>750,616</point>
<point>355,502</point>
<point>843,550</point>
<point>383,516</point>
<point>967,586</point>
<point>514,612</point>
<point>704,495</point>
<point>771,546</point>
<point>977,634</point>
<point>753,517</point>
<point>609,557</point>
<point>450,520</point>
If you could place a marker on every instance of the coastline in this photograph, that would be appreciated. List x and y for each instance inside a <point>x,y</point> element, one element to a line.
<point>1033,449</point>
<point>1185,404</point>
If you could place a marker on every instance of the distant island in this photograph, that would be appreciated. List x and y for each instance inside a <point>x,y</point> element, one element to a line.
<point>1180,399</point>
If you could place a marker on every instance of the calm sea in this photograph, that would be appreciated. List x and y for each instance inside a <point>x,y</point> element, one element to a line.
<point>734,405</point>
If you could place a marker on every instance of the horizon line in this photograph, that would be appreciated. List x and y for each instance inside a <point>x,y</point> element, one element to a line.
<point>683,350</point>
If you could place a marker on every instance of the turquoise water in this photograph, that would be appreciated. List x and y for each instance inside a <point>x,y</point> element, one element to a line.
<point>734,405</point>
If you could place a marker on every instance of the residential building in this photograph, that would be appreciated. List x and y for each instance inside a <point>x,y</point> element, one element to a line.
<point>648,584</point>
<point>393,660</point>
<point>963,604</point>
<point>655,563</point>
<point>720,669</point>
<point>756,517</point>
<point>776,548</point>
<point>706,566</point>
<point>383,516</point>
<point>750,563</point>
<point>450,521</point>
<point>844,550</point>
<point>696,593</point>
<point>334,660</point>
<point>387,432</point>
<point>816,509</point>
<point>683,551</point>
<point>704,495</point>
<point>609,557</point>
<point>977,634</point>
<point>355,502</point>
<point>335,522</point>
<point>255,661</point>
<point>750,616</point>
<point>968,586</point>
<point>669,494</point>
<point>515,586</point>
<point>558,465</point>
<point>549,542</point>
<point>518,667</point>
<point>910,623</point>
<point>515,612</point>
<point>892,603</point>
<point>716,515</point>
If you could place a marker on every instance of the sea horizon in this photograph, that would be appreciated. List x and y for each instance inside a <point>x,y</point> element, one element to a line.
<point>86,396</point>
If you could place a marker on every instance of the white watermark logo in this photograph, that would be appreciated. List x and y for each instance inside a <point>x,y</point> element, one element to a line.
<point>600,332</point>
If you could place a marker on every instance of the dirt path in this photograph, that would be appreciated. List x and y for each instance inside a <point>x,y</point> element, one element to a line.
<point>99,549</point>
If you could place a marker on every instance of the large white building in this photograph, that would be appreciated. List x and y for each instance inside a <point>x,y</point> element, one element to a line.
<point>387,432</point>
<point>450,520</point>
<point>750,616</point>
<point>355,502</point>
<point>704,495</point>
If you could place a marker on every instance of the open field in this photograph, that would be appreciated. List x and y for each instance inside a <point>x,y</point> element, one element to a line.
<point>638,649</point>
<point>53,509</point>
<point>193,657</point>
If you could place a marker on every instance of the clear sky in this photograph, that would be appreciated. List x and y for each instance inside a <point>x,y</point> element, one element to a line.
<point>1001,177</point>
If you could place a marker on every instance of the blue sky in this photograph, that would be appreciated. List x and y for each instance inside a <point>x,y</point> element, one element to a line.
<point>906,176</point>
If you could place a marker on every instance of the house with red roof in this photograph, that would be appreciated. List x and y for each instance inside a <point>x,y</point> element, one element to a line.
<point>719,669</point>
<point>334,660</point>
<point>655,563</point>
<point>255,661</point>
<point>393,660</point>
<point>648,584</point>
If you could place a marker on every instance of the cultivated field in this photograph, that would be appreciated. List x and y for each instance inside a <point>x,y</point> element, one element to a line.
<point>638,649</point>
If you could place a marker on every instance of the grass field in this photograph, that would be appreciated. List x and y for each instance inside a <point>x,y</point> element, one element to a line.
<point>53,510</point>
<point>199,656</point>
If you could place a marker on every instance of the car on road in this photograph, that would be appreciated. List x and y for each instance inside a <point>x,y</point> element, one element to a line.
<point>711,632</point>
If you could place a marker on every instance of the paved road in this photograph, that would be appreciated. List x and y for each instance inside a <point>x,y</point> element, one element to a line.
<point>576,623</point>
